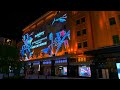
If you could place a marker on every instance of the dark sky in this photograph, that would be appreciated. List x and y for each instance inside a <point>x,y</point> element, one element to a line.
<point>13,22</point>
<point>16,15</point>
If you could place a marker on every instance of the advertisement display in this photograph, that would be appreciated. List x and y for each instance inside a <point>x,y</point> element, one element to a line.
<point>64,70</point>
<point>84,71</point>
<point>118,69</point>
<point>47,40</point>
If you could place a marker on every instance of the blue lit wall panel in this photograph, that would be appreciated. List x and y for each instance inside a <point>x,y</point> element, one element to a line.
<point>47,40</point>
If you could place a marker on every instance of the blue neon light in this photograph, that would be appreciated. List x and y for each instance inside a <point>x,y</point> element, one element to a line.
<point>36,62</point>
<point>39,34</point>
<point>56,41</point>
<point>62,40</point>
<point>47,62</point>
<point>26,48</point>
<point>61,61</point>
<point>118,69</point>
<point>61,19</point>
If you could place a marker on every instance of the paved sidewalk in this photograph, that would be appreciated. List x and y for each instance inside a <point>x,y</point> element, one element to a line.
<point>49,77</point>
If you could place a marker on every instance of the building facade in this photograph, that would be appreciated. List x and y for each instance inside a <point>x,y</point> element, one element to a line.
<point>7,41</point>
<point>106,40</point>
<point>57,41</point>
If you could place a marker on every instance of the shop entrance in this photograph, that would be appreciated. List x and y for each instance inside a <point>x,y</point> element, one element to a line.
<point>61,70</point>
<point>73,71</point>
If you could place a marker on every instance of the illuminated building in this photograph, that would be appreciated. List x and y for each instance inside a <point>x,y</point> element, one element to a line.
<point>7,41</point>
<point>106,43</point>
<point>59,39</point>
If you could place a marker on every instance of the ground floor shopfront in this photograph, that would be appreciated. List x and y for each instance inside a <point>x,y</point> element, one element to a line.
<point>104,63</point>
<point>59,66</point>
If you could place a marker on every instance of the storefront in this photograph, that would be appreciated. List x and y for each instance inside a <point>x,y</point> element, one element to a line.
<point>61,67</point>
<point>46,67</point>
<point>35,67</point>
<point>80,69</point>
<point>104,62</point>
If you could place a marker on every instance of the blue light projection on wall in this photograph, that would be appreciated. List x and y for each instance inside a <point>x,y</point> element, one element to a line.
<point>61,37</point>
<point>47,62</point>
<point>61,61</point>
<point>26,48</point>
<point>56,40</point>
<point>30,44</point>
<point>60,19</point>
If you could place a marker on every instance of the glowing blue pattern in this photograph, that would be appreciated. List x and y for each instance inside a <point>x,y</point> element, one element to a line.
<point>61,19</point>
<point>26,48</point>
<point>62,40</point>
<point>57,42</point>
<point>47,62</point>
<point>61,61</point>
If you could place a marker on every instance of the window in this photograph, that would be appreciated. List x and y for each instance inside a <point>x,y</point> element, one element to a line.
<point>119,17</point>
<point>83,19</point>
<point>84,31</point>
<point>78,22</point>
<point>78,33</point>
<point>79,45</point>
<point>112,21</point>
<point>85,44</point>
<point>115,39</point>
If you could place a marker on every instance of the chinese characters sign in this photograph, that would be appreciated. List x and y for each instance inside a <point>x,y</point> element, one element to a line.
<point>48,41</point>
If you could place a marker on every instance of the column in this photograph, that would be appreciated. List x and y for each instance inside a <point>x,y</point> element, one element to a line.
<point>52,68</point>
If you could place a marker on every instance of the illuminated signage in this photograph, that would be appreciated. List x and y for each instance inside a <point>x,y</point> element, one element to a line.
<point>39,43</point>
<point>55,40</point>
<point>61,19</point>
<point>39,34</point>
<point>29,44</point>
<point>36,62</point>
<point>47,62</point>
<point>118,69</point>
<point>61,61</point>
<point>62,37</point>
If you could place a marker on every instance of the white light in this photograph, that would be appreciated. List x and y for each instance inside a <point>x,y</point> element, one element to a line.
<point>39,68</point>
<point>8,40</point>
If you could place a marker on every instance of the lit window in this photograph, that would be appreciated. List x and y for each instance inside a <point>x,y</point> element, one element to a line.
<point>115,39</point>
<point>85,44</point>
<point>112,21</point>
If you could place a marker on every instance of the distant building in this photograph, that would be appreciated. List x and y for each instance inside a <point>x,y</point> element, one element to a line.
<point>7,41</point>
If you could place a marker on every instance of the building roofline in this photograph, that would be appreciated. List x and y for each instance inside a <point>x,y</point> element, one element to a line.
<point>28,26</point>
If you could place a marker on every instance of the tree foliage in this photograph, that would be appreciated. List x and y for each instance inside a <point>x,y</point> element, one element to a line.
<point>9,56</point>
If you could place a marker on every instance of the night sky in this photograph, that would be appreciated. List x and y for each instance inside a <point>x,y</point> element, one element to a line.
<point>16,15</point>
<point>14,21</point>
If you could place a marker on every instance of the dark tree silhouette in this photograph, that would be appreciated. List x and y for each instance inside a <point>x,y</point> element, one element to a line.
<point>9,56</point>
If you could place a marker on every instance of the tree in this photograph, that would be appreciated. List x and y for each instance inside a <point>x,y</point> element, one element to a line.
<point>9,56</point>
